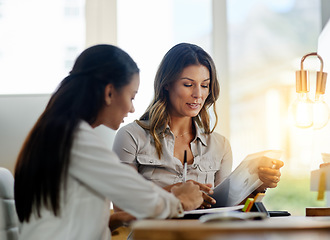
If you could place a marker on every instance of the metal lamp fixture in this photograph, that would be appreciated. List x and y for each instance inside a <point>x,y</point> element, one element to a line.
<point>306,112</point>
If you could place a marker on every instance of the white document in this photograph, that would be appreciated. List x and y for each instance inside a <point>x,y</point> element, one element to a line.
<point>243,180</point>
<point>214,210</point>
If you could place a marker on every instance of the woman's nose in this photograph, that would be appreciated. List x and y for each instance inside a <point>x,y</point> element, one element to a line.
<point>132,109</point>
<point>197,92</point>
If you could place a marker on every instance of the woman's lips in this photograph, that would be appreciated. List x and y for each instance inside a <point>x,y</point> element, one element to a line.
<point>194,105</point>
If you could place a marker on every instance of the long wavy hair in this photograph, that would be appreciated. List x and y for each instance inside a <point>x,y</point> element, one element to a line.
<point>175,60</point>
<point>42,164</point>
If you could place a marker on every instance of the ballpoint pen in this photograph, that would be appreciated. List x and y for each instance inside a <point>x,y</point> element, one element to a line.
<point>185,166</point>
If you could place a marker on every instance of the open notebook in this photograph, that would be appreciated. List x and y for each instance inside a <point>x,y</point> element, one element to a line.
<point>243,180</point>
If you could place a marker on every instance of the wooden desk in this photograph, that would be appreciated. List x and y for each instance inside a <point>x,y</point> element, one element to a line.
<point>271,228</point>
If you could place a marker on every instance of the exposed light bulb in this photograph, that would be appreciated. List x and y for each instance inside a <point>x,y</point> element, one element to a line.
<point>302,111</point>
<point>321,112</point>
<point>305,112</point>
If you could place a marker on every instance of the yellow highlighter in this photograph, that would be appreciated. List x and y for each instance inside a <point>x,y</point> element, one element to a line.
<point>322,186</point>
<point>248,205</point>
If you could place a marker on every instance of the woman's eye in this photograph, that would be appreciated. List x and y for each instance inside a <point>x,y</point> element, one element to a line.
<point>187,85</point>
<point>205,86</point>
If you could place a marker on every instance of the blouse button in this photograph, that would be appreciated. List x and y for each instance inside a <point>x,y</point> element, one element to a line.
<point>151,161</point>
<point>180,175</point>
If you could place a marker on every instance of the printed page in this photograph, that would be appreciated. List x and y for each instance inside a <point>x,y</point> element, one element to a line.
<point>243,180</point>
<point>214,210</point>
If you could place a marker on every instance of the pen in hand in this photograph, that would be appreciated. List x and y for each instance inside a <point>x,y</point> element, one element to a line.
<point>185,166</point>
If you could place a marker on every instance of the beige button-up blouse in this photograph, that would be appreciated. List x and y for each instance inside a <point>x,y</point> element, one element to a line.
<point>212,156</point>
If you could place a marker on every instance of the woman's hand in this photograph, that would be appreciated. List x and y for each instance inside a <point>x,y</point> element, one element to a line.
<point>269,172</point>
<point>189,194</point>
<point>206,190</point>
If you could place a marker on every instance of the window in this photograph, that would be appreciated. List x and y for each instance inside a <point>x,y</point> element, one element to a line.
<point>38,43</point>
<point>267,40</point>
<point>147,29</point>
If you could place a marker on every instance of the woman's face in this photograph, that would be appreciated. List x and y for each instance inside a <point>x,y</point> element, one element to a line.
<point>188,93</point>
<point>118,103</point>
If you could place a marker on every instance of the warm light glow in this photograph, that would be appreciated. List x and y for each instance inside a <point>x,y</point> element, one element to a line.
<point>307,113</point>
<point>302,111</point>
<point>321,113</point>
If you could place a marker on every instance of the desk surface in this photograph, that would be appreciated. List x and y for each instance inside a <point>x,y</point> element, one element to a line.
<point>283,227</point>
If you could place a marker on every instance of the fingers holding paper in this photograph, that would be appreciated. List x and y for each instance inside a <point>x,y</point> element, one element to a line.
<point>269,172</point>
<point>270,180</point>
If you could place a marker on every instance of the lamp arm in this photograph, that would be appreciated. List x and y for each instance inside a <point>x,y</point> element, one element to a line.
<point>302,83</point>
<point>311,54</point>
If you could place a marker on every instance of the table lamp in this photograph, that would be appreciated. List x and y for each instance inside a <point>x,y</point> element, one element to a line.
<point>313,113</point>
<point>306,112</point>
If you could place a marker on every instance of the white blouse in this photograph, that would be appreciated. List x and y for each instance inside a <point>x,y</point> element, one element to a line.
<point>95,177</point>
<point>212,156</point>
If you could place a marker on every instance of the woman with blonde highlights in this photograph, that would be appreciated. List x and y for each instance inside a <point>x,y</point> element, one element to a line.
<point>171,66</point>
<point>178,120</point>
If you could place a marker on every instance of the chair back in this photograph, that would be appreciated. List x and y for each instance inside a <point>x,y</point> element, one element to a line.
<point>8,216</point>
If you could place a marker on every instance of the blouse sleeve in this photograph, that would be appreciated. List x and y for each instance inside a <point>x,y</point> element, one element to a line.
<point>125,145</point>
<point>95,166</point>
<point>129,142</point>
<point>226,162</point>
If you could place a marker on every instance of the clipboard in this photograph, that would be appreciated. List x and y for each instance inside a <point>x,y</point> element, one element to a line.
<point>243,180</point>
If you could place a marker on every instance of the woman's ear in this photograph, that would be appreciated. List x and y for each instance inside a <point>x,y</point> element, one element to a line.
<point>166,87</point>
<point>107,93</point>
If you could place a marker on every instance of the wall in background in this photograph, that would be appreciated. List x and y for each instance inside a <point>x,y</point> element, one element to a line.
<point>22,103</point>
<point>18,113</point>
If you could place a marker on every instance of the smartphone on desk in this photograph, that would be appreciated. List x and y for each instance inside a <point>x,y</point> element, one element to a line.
<point>279,213</point>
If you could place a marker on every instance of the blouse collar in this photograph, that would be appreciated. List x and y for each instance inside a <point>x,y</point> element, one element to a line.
<point>200,135</point>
